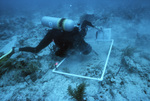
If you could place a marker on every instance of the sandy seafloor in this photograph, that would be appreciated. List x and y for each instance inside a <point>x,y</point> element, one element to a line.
<point>131,83</point>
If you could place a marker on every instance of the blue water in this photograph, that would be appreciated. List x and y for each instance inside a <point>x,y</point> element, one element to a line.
<point>30,6</point>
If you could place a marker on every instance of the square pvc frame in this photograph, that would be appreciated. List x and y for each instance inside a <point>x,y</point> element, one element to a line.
<point>87,77</point>
<point>104,36</point>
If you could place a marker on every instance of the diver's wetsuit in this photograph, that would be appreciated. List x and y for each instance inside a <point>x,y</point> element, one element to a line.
<point>64,40</point>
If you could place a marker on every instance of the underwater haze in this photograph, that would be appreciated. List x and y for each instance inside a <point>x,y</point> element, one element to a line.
<point>28,6</point>
<point>120,44</point>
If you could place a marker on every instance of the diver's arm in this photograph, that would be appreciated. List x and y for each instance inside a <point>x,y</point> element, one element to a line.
<point>84,27</point>
<point>86,23</point>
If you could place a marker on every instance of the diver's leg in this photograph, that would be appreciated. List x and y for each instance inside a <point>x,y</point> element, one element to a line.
<point>61,52</point>
<point>28,49</point>
<point>44,42</point>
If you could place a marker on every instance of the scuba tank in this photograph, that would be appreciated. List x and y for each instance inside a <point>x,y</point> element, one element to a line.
<point>58,23</point>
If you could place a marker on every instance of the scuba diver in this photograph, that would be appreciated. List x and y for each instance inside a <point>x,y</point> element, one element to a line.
<point>64,34</point>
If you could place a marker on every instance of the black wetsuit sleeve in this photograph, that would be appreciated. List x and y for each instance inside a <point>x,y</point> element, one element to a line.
<point>84,27</point>
<point>44,42</point>
<point>85,24</point>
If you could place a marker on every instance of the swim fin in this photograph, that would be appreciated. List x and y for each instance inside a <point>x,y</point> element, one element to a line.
<point>6,56</point>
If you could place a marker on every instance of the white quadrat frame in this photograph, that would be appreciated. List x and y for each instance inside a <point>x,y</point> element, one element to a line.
<point>87,77</point>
